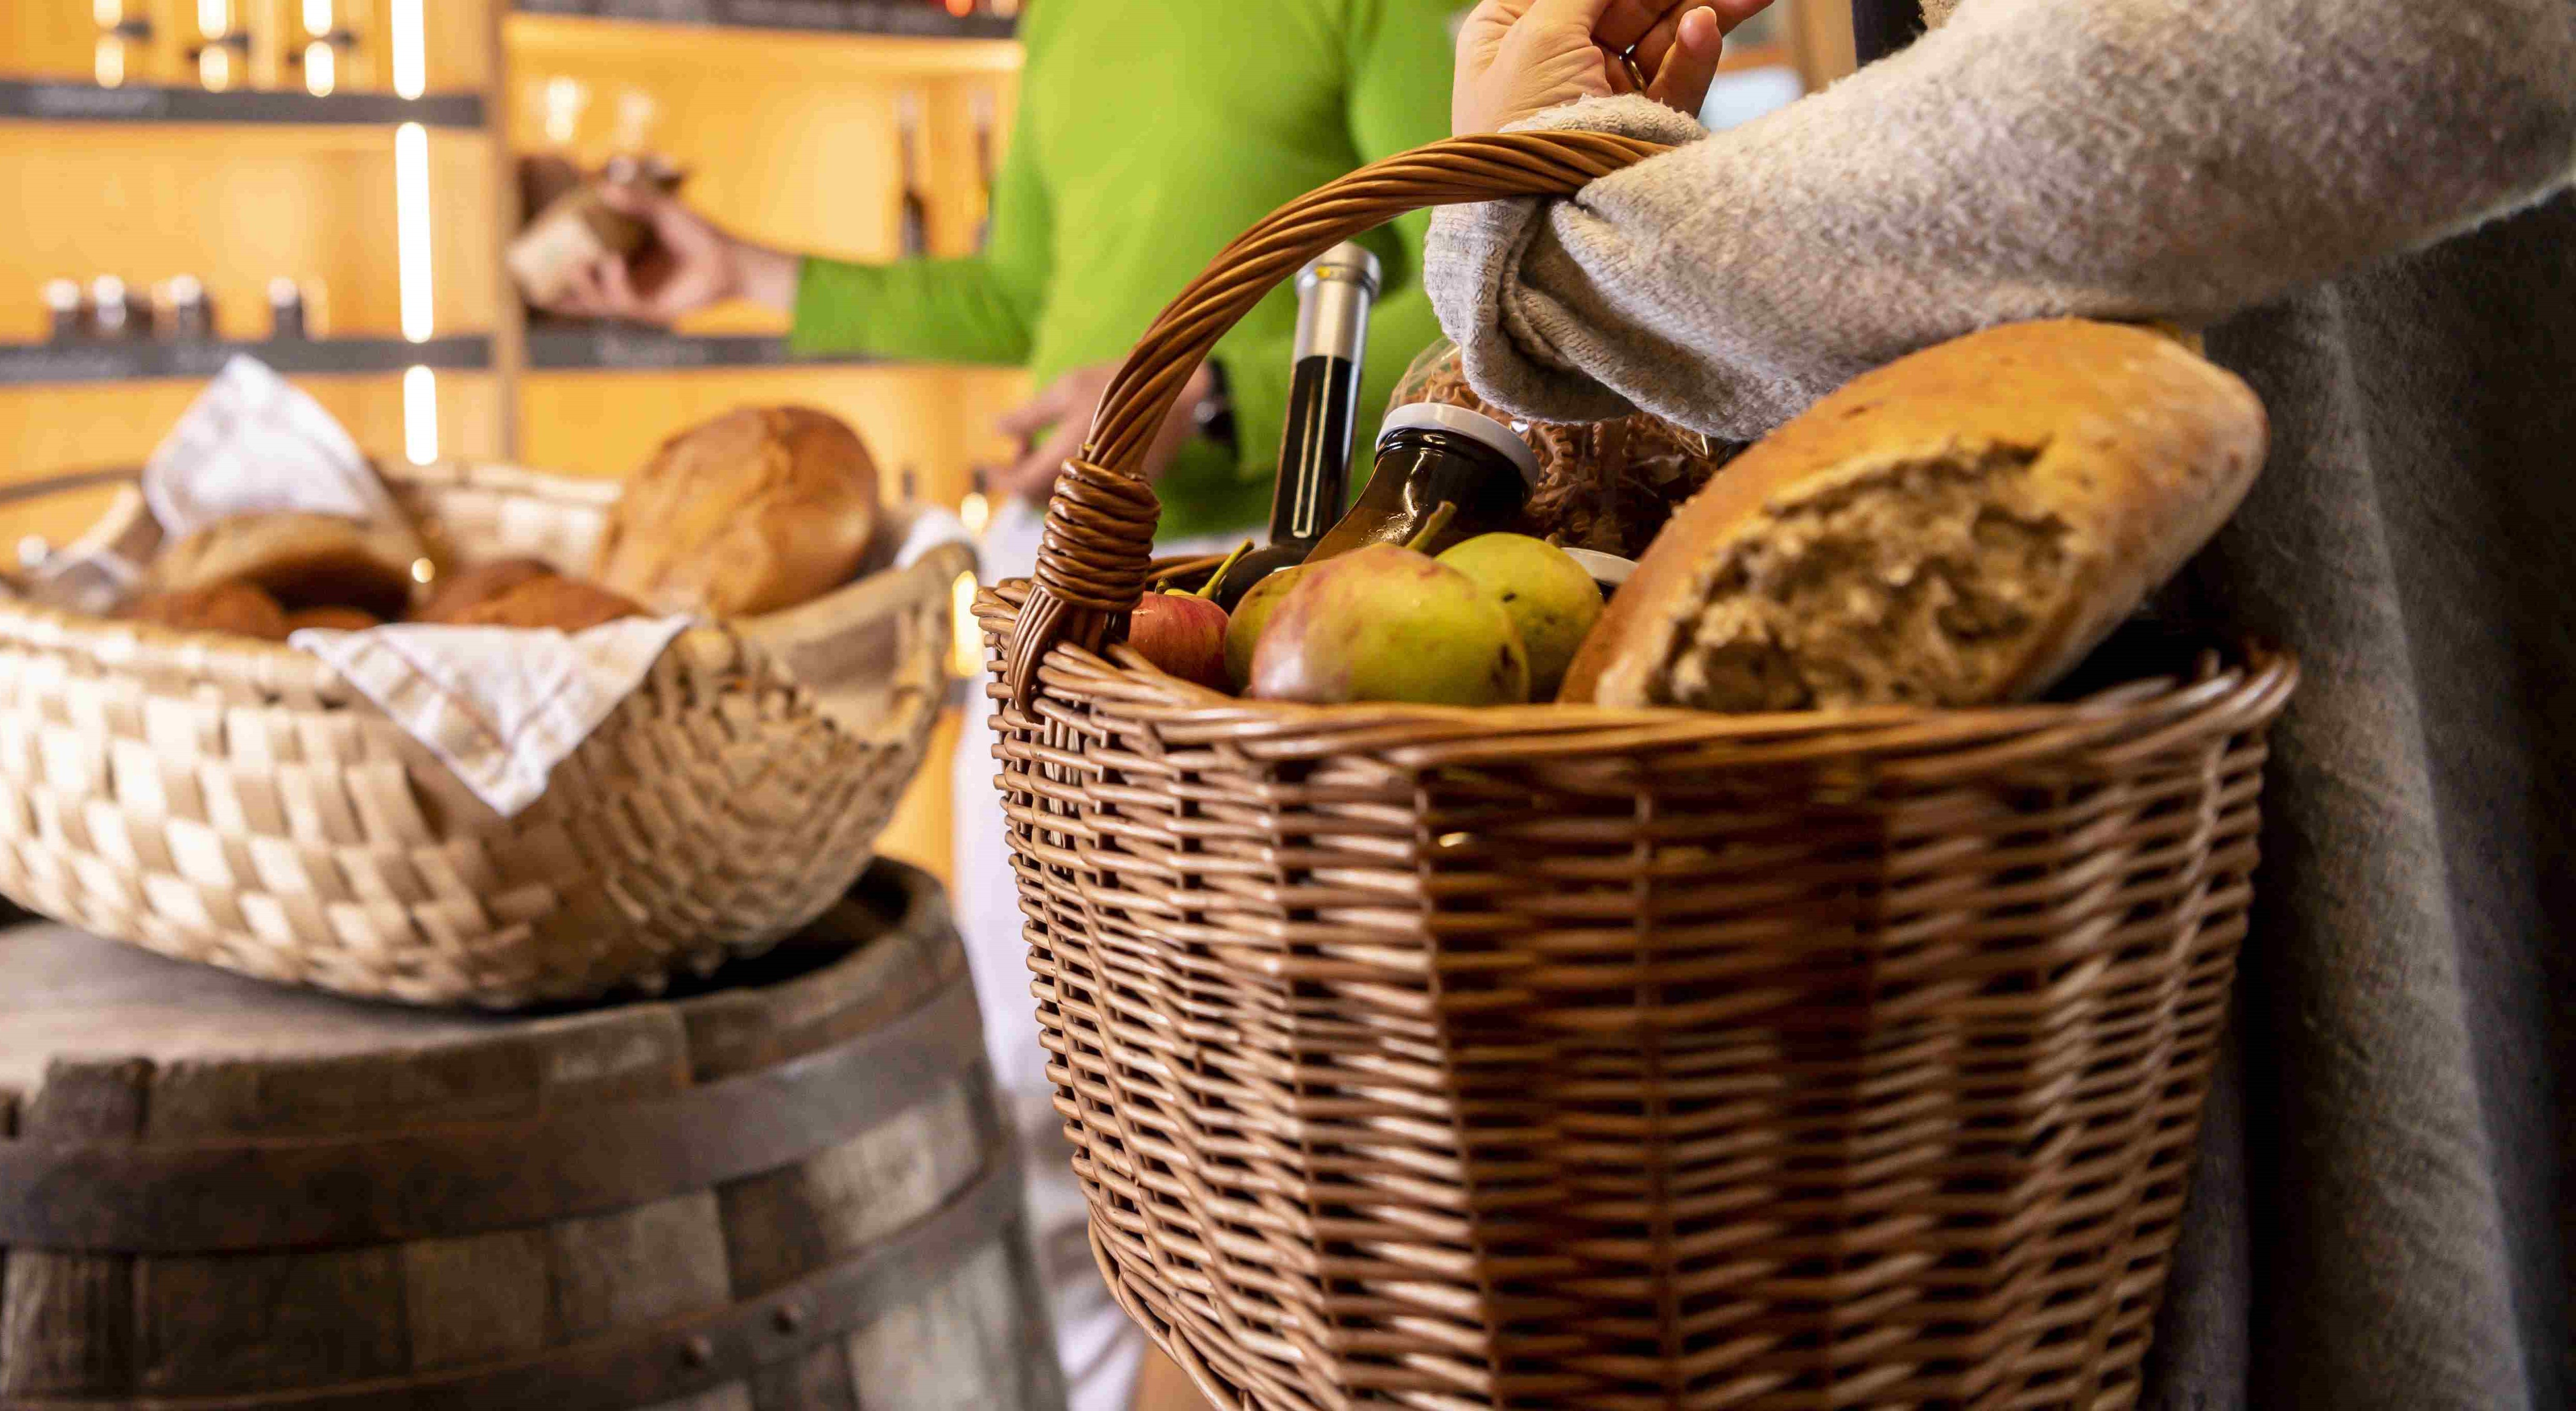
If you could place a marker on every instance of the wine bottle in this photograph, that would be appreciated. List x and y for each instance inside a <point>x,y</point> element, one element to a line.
<point>982,104</point>
<point>1333,298</point>
<point>912,235</point>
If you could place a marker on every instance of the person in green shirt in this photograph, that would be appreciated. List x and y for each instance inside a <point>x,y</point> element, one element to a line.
<point>1150,134</point>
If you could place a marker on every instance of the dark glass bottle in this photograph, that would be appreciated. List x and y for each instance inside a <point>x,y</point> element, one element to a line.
<point>1334,295</point>
<point>1427,455</point>
<point>912,231</point>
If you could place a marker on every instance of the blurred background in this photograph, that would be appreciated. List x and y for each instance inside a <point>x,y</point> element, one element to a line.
<point>329,186</point>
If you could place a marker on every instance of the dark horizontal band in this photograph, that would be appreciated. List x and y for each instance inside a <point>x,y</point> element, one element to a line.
<point>291,1193</point>
<point>668,1360</point>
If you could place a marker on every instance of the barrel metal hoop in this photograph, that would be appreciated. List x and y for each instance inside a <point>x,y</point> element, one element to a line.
<point>385,1188</point>
<point>681,1356</point>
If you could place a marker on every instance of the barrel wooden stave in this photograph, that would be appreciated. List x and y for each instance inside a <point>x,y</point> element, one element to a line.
<point>237,1329</point>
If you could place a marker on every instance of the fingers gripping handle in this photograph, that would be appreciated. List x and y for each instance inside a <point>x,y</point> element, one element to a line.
<point>1100,524</point>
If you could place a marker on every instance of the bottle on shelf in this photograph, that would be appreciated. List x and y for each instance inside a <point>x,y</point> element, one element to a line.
<point>222,53</point>
<point>187,313</point>
<point>123,35</point>
<point>66,310</point>
<point>324,51</point>
<point>117,310</point>
<point>980,107</point>
<point>1334,295</point>
<point>912,230</point>
<point>286,321</point>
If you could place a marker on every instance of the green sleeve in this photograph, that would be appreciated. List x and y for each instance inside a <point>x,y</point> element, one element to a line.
<point>1398,99</point>
<point>978,310</point>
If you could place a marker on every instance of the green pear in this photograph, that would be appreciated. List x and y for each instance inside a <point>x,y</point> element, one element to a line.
<point>1552,598</point>
<point>1251,614</point>
<point>1384,623</point>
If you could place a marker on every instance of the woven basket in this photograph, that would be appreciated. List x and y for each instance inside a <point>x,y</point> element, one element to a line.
<point>1566,1057</point>
<point>237,803</point>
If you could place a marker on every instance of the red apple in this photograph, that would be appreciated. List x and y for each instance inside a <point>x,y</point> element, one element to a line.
<point>1182,634</point>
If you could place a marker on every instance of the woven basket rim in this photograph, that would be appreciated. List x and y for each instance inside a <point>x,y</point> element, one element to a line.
<point>275,669</point>
<point>2251,681</point>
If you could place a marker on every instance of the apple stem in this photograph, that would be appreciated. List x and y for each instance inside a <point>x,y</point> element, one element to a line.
<point>1431,527</point>
<point>1219,575</point>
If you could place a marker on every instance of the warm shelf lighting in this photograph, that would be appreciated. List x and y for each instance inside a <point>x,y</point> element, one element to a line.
<point>215,67</point>
<point>420,415</point>
<point>967,658</point>
<point>214,18</point>
<point>321,69</point>
<point>975,512</point>
<point>411,228</point>
<point>109,64</point>
<point>107,13</point>
<point>317,17</point>
<point>411,71</point>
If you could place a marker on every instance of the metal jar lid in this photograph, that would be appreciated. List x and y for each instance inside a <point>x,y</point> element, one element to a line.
<point>1475,426</point>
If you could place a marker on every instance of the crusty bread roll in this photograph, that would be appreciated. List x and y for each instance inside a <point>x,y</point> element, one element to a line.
<point>332,619</point>
<point>476,584</point>
<point>302,560</point>
<point>1956,528</point>
<point>564,604</point>
<point>232,606</point>
<point>758,510</point>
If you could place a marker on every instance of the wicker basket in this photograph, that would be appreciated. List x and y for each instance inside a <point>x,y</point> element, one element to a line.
<point>237,803</point>
<point>1563,1057</point>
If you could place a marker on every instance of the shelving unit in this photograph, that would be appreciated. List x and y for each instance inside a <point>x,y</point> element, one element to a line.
<point>393,195</point>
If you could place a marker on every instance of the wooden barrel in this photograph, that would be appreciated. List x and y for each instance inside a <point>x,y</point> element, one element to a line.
<point>791,1193</point>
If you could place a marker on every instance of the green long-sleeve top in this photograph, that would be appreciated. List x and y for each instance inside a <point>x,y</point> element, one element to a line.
<point>1150,133</point>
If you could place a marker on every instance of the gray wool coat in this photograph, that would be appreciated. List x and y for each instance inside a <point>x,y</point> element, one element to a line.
<point>2359,200</point>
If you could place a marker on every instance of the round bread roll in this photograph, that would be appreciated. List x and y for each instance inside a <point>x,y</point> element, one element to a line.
<point>234,607</point>
<point>564,604</point>
<point>1957,528</point>
<point>302,560</point>
<point>758,510</point>
<point>332,619</point>
<point>476,584</point>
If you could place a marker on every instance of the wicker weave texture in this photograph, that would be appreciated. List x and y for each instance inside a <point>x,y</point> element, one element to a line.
<point>238,804</point>
<point>1575,1059</point>
<point>1635,1063</point>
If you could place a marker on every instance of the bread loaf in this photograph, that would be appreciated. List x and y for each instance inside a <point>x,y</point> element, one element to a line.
<point>301,560</point>
<point>231,607</point>
<point>564,604</point>
<point>758,510</point>
<point>1956,528</point>
<point>472,586</point>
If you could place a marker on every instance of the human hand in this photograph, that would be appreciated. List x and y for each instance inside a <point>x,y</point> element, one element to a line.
<point>691,264</point>
<point>1067,406</point>
<point>1519,58</point>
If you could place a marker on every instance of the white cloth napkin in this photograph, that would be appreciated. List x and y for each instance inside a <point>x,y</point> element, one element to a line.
<point>501,706</point>
<point>251,443</point>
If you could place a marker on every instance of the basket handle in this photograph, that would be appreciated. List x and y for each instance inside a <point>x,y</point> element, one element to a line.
<point>1099,536</point>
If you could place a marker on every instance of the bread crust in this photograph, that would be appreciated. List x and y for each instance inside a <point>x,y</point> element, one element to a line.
<point>2117,451</point>
<point>475,584</point>
<point>550,601</point>
<point>233,607</point>
<point>761,509</point>
<point>301,560</point>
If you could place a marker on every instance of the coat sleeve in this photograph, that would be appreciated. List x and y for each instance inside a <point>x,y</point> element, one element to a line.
<point>2172,159</point>
<point>979,309</point>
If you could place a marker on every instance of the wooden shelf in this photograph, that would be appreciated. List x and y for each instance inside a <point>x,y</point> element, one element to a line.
<point>36,100</point>
<point>904,18</point>
<point>557,348</point>
<point>45,364</point>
